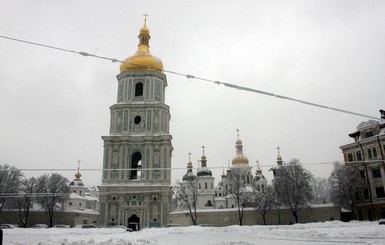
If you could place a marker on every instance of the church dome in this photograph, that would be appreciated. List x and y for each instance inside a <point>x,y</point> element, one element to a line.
<point>77,181</point>
<point>239,159</point>
<point>204,170</point>
<point>142,60</point>
<point>189,176</point>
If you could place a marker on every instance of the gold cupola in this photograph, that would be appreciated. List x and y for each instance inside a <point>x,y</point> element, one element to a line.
<point>142,60</point>
<point>239,159</point>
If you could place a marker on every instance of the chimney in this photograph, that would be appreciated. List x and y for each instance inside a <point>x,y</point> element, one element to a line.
<point>382,114</point>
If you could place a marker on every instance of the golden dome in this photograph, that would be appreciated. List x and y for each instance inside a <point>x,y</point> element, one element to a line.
<point>142,60</point>
<point>189,165</point>
<point>78,175</point>
<point>239,159</point>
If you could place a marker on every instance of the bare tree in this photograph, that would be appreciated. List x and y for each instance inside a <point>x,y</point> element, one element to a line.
<point>186,194</point>
<point>293,188</point>
<point>53,191</point>
<point>345,182</point>
<point>240,191</point>
<point>321,190</point>
<point>10,178</point>
<point>265,201</point>
<point>25,198</point>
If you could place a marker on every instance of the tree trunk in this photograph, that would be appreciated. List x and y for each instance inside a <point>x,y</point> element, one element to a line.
<point>264,218</point>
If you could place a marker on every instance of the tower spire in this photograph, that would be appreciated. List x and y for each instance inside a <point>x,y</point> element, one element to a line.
<point>78,174</point>
<point>279,158</point>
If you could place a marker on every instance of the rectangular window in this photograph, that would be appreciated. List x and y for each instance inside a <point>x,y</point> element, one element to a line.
<point>370,153</point>
<point>369,134</point>
<point>205,185</point>
<point>380,192</point>
<point>350,157</point>
<point>376,173</point>
<point>359,156</point>
<point>374,152</point>
<point>366,194</point>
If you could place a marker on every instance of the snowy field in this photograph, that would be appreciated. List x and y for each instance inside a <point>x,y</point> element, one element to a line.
<point>335,232</point>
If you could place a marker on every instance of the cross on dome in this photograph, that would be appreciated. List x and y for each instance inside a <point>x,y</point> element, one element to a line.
<point>258,165</point>
<point>145,16</point>
<point>238,133</point>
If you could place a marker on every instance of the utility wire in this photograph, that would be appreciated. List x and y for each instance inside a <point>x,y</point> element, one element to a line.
<point>173,168</point>
<point>229,85</point>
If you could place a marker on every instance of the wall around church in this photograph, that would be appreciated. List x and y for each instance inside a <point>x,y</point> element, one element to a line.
<point>226,217</point>
<point>41,217</point>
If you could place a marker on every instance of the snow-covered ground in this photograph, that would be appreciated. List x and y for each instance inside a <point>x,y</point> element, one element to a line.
<point>335,232</point>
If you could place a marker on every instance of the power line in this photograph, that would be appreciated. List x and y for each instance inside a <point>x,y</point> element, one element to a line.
<point>172,168</point>
<point>188,76</point>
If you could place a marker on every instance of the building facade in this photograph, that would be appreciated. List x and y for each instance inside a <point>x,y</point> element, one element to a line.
<point>367,154</point>
<point>136,181</point>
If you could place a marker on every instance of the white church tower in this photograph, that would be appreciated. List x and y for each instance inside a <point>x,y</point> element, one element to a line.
<point>136,182</point>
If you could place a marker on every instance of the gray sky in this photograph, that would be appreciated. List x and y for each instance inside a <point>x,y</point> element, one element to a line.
<point>55,106</point>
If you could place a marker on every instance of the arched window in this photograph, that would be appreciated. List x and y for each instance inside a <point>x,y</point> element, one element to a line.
<point>136,165</point>
<point>139,89</point>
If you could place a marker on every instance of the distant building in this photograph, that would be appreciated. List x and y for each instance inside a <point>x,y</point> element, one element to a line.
<point>82,201</point>
<point>210,197</point>
<point>217,207</point>
<point>81,207</point>
<point>367,154</point>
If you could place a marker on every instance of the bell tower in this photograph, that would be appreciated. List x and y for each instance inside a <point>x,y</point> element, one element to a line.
<point>136,180</point>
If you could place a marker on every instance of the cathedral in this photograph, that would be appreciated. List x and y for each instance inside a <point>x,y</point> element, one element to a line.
<point>136,181</point>
<point>219,197</point>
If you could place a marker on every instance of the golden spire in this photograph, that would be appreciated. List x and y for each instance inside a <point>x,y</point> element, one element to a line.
<point>239,159</point>
<point>203,158</point>
<point>189,164</point>
<point>279,158</point>
<point>78,174</point>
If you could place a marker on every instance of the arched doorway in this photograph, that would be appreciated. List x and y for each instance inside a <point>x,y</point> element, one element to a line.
<point>133,222</point>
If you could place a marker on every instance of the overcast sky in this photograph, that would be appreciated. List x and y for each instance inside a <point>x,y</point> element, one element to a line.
<point>55,105</point>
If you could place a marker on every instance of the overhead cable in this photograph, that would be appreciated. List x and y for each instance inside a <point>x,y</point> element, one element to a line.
<point>229,85</point>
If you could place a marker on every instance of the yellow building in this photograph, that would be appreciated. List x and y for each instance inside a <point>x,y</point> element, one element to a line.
<point>367,154</point>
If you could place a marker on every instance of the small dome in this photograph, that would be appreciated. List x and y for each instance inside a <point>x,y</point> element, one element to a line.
<point>77,183</point>
<point>204,171</point>
<point>189,176</point>
<point>144,30</point>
